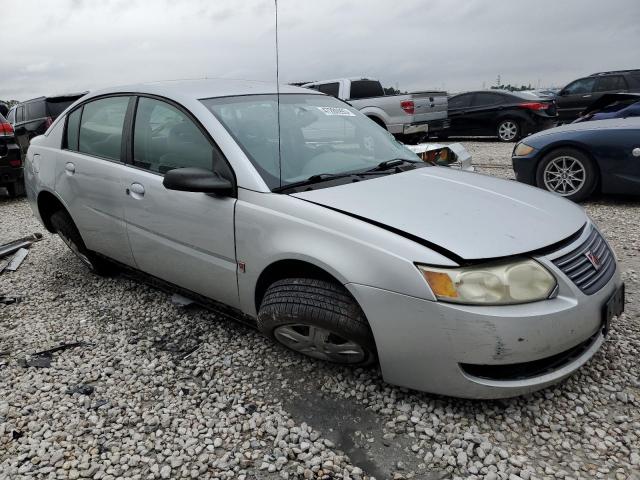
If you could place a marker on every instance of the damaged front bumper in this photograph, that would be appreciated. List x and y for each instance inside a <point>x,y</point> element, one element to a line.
<point>488,352</point>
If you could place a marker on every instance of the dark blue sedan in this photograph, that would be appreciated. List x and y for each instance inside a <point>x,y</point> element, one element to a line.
<point>577,159</point>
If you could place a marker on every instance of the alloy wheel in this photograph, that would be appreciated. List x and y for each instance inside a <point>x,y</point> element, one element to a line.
<point>564,175</point>
<point>319,343</point>
<point>507,130</point>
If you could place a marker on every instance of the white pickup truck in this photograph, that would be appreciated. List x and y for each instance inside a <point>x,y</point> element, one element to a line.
<point>411,115</point>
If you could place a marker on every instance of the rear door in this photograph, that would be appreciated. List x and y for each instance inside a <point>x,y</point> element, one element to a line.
<point>574,98</point>
<point>482,117</point>
<point>184,238</point>
<point>458,107</point>
<point>89,175</point>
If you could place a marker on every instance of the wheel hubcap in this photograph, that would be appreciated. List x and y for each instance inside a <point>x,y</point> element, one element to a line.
<point>564,175</point>
<point>319,343</point>
<point>74,248</point>
<point>508,130</point>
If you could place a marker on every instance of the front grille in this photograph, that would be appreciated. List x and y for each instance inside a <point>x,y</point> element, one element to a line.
<point>582,271</point>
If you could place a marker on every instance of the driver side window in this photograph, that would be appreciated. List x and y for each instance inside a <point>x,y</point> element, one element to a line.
<point>165,138</point>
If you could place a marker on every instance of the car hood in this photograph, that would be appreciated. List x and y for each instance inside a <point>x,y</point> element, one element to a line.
<point>471,215</point>
<point>608,124</point>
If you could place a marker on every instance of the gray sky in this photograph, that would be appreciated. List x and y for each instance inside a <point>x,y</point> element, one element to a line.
<point>74,45</point>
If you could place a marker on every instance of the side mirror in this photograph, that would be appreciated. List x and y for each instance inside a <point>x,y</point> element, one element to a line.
<point>197,180</point>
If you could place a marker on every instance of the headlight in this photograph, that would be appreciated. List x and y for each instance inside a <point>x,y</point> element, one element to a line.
<point>520,281</point>
<point>522,149</point>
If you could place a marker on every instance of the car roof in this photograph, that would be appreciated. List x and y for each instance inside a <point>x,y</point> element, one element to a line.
<point>204,88</point>
<point>55,98</point>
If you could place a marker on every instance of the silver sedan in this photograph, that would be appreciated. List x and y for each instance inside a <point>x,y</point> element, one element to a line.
<point>297,212</point>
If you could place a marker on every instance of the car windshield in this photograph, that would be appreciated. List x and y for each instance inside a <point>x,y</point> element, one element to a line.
<point>319,135</point>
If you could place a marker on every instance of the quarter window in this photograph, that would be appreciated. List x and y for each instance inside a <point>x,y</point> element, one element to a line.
<point>165,138</point>
<point>35,110</point>
<point>20,114</point>
<point>101,127</point>
<point>584,85</point>
<point>11,117</point>
<point>73,127</point>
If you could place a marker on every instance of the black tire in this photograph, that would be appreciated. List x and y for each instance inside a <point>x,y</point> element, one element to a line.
<point>299,303</point>
<point>15,190</point>
<point>69,234</point>
<point>512,126</point>
<point>590,178</point>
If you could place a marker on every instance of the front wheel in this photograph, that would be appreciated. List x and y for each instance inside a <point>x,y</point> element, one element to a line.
<point>318,319</point>
<point>567,172</point>
<point>69,234</point>
<point>508,130</point>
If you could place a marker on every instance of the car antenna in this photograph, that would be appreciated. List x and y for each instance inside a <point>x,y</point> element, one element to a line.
<point>278,98</point>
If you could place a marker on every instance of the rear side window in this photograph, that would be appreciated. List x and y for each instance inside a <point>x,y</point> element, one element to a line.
<point>584,85</point>
<point>609,84</point>
<point>366,89</point>
<point>101,127</point>
<point>73,128</point>
<point>460,101</point>
<point>54,109</point>
<point>483,99</point>
<point>20,114</point>
<point>165,138</point>
<point>35,110</point>
<point>332,89</point>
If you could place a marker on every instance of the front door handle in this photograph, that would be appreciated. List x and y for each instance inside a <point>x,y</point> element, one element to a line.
<point>636,152</point>
<point>586,96</point>
<point>136,190</point>
<point>70,168</point>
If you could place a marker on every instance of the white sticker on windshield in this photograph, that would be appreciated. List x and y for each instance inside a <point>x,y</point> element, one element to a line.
<point>336,111</point>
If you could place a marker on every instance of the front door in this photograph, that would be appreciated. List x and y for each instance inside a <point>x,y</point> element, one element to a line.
<point>574,98</point>
<point>184,238</point>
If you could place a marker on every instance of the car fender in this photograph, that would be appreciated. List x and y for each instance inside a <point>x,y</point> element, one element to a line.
<point>273,227</point>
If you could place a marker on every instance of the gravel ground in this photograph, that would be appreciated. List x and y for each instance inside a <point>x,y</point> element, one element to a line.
<point>152,390</point>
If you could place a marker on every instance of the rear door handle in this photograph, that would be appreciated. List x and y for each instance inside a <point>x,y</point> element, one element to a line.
<point>586,96</point>
<point>70,168</point>
<point>136,190</point>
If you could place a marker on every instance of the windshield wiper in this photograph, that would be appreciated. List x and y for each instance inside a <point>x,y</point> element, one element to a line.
<point>313,179</point>
<point>394,162</point>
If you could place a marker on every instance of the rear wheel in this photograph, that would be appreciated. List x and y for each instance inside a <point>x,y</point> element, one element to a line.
<point>508,130</point>
<point>319,319</point>
<point>15,189</point>
<point>69,234</point>
<point>569,173</point>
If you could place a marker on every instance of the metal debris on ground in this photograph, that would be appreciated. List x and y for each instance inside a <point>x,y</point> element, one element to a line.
<point>43,358</point>
<point>5,300</point>
<point>81,389</point>
<point>17,260</point>
<point>15,245</point>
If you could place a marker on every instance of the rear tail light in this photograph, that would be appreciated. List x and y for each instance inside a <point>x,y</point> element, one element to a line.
<point>15,162</point>
<point>535,105</point>
<point>48,122</point>
<point>408,106</point>
<point>6,129</point>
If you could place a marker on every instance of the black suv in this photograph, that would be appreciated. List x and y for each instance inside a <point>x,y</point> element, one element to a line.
<point>33,117</point>
<point>11,175</point>
<point>581,93</point>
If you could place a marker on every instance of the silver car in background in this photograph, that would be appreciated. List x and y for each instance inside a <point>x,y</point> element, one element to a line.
<point>298,212</point>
